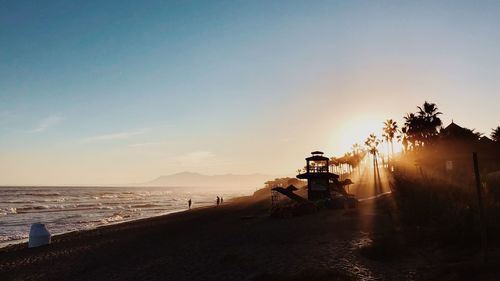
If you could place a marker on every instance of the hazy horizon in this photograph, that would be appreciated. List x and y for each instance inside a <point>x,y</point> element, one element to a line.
<point>152,181</point>
<point>112,93</point>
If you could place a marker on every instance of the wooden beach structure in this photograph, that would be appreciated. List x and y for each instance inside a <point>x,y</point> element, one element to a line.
<point>323,188</point>
<point>318,176</point>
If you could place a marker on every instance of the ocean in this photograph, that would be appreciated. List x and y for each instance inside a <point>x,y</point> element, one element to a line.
<point>66,209</point>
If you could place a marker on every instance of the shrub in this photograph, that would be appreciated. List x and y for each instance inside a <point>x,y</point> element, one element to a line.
<point>433,210</point>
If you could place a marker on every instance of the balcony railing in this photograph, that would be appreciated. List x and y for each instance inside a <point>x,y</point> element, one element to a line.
<point>321,169</point>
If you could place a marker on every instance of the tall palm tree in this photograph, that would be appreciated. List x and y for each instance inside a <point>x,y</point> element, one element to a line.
<point>406,135</point>
<point>401,137</point>
<point>430,120</point>
<point>495,134</point>
<point>357,156</point>
<point>390,130</point>
<point>421,127</point>
<point>372,143</point>
<point>386,139</point>
<point>412,129</point>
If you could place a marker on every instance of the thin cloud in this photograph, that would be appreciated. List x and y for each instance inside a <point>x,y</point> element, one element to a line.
<point>141,144</point>
<point>47,123</point>
<point>114,136</point>
<point>147,144</point>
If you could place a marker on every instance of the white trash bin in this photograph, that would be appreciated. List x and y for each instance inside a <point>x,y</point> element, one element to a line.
<point>39,235</point>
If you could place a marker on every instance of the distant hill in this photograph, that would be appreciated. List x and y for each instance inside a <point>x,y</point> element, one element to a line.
<point>189,179</point>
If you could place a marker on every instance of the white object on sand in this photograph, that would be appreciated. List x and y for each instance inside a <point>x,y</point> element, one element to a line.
<point>39,235</point>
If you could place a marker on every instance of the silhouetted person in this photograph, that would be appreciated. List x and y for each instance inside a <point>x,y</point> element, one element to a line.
<point>189,203</point>
<point>221,200</point>
<point>218,201</point>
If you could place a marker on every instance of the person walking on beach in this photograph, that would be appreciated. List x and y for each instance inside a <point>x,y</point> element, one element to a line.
<point>218,201</point>
<point>189,203</point>
<point>221,200</point>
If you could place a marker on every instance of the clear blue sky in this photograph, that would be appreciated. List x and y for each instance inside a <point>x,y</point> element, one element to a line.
<point>124,91</point>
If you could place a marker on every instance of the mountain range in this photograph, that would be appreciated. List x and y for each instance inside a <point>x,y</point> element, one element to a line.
<point>189,179</point>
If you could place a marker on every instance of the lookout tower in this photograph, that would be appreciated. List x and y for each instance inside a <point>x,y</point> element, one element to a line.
<point>318,176</point>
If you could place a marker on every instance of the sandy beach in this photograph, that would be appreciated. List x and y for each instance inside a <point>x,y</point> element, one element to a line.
<point>249,140</point>
<point>239,240</point>
<point>236,241</point>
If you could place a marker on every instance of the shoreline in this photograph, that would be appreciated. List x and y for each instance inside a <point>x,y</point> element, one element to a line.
<point>237,240</point>
<point>25,240</point>
<point>6,244</point>
<point>64,211</point>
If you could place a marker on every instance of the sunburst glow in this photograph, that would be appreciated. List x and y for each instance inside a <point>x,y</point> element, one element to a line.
<point>355,131</point>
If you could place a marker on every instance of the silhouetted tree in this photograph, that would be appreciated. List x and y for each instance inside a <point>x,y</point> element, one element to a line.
<point>356,156</point>
<point>495,134</point>
<point>390,130</point>
<point>372,143</point>
<point>402,137</point>
<point>412,130</point>
<point>430,120</point>
<point>477,135</point>
<point>421,127</point>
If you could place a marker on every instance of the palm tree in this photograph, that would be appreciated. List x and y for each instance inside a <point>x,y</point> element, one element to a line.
<point>495,134</point>
<point>386,139</point>
<point>372,143</point>
<point>421,127</point>
<point>357,156</point>
<point>412,129</point>
<point>390,130</point>
<point>403,138</point>
<point>356,148</point>
<point>431,122</point>
<point>334,162</point>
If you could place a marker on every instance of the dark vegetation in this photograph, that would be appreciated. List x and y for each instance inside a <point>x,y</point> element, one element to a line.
<point>434,203</point>
<point>434,184</point>
<point>435,207</point>
<point>436,213</point>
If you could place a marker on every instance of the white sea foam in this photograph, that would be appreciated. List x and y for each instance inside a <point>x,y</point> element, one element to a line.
<point>64,209</point>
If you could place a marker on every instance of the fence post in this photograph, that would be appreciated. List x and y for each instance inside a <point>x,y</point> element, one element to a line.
<point>482,219</point>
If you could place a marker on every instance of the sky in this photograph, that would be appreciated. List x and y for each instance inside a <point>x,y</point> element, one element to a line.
<point>118,92</point>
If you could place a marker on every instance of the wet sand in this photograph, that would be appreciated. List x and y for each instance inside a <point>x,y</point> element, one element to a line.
<point>236,241</point>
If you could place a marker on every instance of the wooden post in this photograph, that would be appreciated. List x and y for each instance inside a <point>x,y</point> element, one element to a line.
<point>482,219</point>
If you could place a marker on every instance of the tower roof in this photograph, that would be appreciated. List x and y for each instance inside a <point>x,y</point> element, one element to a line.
<point>317,156</point>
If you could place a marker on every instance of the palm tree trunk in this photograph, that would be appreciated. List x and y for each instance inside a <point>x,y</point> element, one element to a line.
<point>392,149</point>
<point>388,154</point>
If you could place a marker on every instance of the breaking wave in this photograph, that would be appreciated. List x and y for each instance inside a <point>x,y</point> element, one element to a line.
<point>64,209</point>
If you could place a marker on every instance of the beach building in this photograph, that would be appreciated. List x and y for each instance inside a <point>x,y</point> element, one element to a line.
<point>318,176</point>
<point>449,155</point>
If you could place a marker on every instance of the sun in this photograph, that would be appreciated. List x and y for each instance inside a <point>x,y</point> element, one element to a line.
<point>356,130</point>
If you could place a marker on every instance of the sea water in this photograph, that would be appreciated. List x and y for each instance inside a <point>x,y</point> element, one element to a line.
<point>66,209</point>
